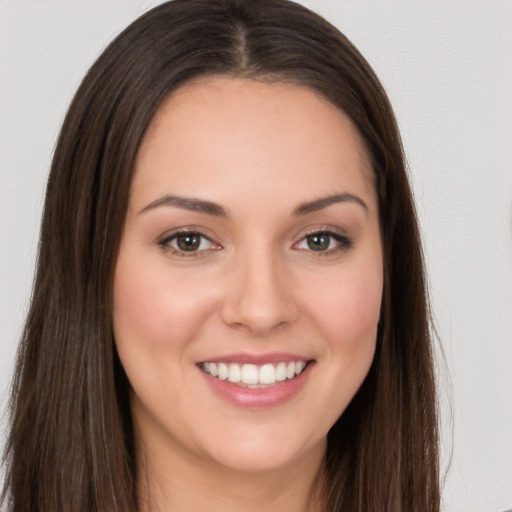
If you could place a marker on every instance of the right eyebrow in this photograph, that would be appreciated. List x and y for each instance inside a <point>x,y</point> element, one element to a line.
<point>187,203</point>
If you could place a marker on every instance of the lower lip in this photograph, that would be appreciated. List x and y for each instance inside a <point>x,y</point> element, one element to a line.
<point>274,395</point>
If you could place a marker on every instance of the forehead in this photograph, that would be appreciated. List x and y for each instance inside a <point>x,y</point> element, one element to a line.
<point>216,134</point>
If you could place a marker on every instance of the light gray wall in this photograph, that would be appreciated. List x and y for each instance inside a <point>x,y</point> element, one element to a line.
<point>448,69</point>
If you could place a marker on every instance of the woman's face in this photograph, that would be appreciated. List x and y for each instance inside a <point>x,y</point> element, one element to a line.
<point>249,280</point>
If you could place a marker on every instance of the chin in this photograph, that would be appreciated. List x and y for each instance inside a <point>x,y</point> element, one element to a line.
<point>257,451</point>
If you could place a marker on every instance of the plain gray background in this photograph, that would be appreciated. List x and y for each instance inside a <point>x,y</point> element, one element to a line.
<point>447,66</point>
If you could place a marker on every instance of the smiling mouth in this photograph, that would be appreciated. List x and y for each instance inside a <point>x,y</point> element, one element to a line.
<point>252,375</point>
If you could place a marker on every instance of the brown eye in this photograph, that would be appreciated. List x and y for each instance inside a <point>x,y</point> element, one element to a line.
<point>324,242</point>
<point>319,241</point>
<point>188,241</point>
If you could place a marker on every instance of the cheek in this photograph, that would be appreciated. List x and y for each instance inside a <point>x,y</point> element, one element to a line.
<point>347,306</point>
<point>343,307</point>
<point>153,309</point>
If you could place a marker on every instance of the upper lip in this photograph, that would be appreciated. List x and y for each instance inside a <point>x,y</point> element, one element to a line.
<point>257,359</point>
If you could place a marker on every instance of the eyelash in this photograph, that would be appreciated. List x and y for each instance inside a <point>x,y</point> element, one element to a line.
<point>342,243</point>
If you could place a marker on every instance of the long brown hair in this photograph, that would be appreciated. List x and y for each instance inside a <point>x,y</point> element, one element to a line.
<point>71,445</point>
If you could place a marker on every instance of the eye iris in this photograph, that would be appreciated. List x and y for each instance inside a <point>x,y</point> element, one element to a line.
<point>188,241</point>
<point>318,241</point>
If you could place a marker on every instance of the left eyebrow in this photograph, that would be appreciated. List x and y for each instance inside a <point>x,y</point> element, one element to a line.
<point>324,202</point>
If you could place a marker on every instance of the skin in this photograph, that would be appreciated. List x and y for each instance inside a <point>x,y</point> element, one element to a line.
<point>255,285</point>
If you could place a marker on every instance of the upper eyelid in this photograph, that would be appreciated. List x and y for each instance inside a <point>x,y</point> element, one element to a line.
<point>320,229</point>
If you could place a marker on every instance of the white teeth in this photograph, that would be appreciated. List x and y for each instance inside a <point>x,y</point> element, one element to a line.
<point>281,372</point>
<point>299,367</point>
<point>223,371</point>
<point>234,374</point>
<point>253,376</point>
<point>250,374</point>
<point>267,374</point>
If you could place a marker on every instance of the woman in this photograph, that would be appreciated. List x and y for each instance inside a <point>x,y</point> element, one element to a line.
<point>229,310</point>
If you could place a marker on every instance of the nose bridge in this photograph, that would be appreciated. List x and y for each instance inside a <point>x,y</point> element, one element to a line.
<point>260,297</point>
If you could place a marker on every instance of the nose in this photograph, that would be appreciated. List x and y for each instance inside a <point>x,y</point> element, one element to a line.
<point>260,297</point>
